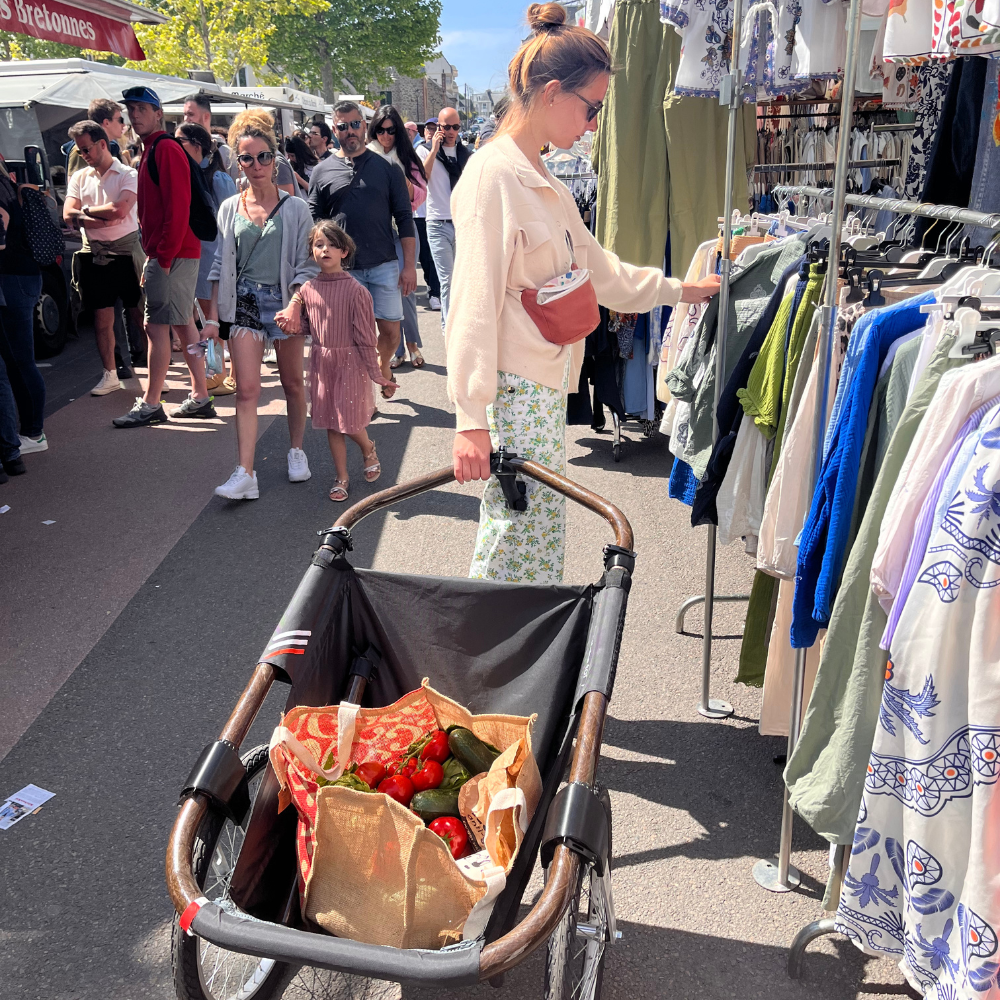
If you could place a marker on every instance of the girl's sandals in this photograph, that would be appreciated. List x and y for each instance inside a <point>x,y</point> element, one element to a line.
<point>416,358</point>
<point>385,389</point>
<point>339,492</point>
<point>396,361</point>
<point>374,467</point>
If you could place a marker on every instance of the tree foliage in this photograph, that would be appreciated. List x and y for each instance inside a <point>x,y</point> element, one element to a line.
<point>17,46</point>
<point>358,41</point>
<point>221,35</point>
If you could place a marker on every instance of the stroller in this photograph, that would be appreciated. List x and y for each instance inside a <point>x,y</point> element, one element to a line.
<point>495,647</point>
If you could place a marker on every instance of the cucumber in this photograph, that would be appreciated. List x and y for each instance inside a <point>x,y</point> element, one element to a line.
<point>471,750</point>
<point>435,803</point>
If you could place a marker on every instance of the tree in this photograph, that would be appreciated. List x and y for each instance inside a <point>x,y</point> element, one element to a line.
<point>357,40</point>
<point>17,46</point>
<point>219,35</point>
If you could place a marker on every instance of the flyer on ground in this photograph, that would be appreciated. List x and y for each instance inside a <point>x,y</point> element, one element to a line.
<point>22,804</point>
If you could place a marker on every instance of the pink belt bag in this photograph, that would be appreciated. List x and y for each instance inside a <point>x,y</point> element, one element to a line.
<point>565,308</point>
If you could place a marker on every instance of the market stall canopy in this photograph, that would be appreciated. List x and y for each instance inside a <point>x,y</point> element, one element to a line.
<point>55,87</point>
<point>103,25</point>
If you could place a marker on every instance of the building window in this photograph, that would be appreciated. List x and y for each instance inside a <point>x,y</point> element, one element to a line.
<point>386,96</point>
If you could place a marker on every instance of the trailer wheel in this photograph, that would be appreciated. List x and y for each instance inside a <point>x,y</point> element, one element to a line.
<point>201,970</point>
<point>574,963</point>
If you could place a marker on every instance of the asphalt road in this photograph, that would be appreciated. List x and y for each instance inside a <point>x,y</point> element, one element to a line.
<point>131,625</point>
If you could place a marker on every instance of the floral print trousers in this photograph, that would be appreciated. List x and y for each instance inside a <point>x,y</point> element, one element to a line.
<point>529,546</point>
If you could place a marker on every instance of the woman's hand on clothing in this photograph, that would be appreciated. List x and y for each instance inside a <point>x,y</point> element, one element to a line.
<point>700,291</point>
<point>471,455</point>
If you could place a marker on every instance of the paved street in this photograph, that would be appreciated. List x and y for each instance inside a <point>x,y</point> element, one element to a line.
<point>130,625</point>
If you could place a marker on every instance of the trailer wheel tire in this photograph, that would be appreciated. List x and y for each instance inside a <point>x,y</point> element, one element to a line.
<point>574,967</point>
<point>51,315</point>
<point>201,971</point>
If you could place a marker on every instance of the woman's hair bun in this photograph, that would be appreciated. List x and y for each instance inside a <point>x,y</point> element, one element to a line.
<point>546,16</point>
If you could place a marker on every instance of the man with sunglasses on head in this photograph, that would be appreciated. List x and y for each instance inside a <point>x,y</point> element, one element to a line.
<point>171,272</point>
<point>443,167</point>
<point>365,203</point>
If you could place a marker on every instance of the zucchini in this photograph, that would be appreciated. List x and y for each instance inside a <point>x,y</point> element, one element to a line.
<point>476,755</point>
<point>435,803</point>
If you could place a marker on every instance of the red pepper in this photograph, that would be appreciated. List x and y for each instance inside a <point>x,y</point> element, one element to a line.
<point>372,773</point>
<point>452,832</point>
<point>430,775</point>
<point>437,748</point>
<point>398,787</point>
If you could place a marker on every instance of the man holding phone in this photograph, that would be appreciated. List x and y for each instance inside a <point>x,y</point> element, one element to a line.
<point>443,168</point>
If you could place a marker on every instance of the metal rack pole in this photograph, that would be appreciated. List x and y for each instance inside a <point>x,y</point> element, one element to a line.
<point>731,94</point>
<point>779,875</point>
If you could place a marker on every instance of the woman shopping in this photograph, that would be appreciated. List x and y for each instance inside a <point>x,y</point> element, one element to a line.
<point>388,137</point>
<point>518,228</point>
<point>262,260</point>
<point>199,146</point>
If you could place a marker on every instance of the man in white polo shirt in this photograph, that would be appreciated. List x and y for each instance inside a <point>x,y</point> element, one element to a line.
<point>443,168</point>
<point>101,202</point>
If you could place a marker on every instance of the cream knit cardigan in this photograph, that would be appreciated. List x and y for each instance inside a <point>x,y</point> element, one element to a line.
<point>511,226</point>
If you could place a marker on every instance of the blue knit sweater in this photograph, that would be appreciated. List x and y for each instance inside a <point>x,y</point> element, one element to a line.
<point>824,536</point>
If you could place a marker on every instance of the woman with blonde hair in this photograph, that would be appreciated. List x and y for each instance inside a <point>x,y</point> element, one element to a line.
<point>264,120</point>
<point>262,260</point>
<point>517,227</point>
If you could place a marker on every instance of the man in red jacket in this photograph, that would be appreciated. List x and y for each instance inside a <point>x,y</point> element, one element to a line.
<point>171,270</point>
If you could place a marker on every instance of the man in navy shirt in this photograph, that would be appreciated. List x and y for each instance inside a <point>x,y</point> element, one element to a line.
<point>365,199</point>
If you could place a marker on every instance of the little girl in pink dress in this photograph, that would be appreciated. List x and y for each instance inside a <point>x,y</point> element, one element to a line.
<point>338,312</point>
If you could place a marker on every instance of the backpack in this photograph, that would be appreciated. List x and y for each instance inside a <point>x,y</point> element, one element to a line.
<point>201,217</point>
<point>44,238</point>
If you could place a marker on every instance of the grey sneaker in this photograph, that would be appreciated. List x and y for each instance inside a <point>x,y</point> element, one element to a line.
<point>192,408</point>
<point>141,415</point>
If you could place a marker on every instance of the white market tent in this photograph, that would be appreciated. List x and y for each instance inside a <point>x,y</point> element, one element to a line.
<point>56,88</point>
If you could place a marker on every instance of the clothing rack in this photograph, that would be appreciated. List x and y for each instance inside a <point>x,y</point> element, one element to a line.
<point>777,168</point>
<point>730,95</point>
<point>838,195</point>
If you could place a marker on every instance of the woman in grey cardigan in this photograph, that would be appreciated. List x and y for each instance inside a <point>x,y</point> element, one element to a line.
<point>261,261</point>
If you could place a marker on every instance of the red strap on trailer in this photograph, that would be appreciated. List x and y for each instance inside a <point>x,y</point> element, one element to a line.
<point>191,912</point>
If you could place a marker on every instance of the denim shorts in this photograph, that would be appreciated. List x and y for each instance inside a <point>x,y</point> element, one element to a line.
<point>256,305</point>
<point>383,284</point>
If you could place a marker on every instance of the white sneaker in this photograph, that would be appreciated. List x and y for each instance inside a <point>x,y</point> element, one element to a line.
<point>434,303</point>
<point>239,486</point>
<point>270,356</point>
<point>31,445</point>
<point>298,466</point>
<point>109,382</point>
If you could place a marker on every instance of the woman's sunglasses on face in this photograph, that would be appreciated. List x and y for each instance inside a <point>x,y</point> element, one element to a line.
<point>386,130</point>
<point>344,126</point>
<point>263,158</point>
<point>593,110</point>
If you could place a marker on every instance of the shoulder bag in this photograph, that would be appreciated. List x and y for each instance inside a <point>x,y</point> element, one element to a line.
<point>565,308</point>
<point>241,303</point>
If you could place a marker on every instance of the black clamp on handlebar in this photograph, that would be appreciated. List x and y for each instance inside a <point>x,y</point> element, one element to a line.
<point>578,819</point>
<point>616,555</point>
<point>367,664</point>
<point>219,774</point>
<point>336,542</point>
<point>513,488</point>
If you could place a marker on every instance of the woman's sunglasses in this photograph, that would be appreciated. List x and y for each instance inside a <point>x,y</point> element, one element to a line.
<point>263,158</point>
<point>388,130</point>
<point>593,110</point>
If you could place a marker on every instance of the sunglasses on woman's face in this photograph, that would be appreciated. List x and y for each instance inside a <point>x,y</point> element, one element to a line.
<point>263,158</point>
<point>593,110</point>
<point>388,130</point>
<point>344,126</point>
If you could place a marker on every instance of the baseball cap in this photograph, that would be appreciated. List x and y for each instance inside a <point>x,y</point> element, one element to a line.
<point>431,121</point>
<point>143,94</point>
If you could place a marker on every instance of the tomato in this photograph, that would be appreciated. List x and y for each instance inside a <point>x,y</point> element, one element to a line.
<point>429,776</point>
<point>405,767</point>
<point>452,832</point>
<point>437,748</point>
<point>398,787</point>
<point>371,773</point>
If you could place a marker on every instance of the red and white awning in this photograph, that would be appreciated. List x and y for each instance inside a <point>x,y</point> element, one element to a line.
<point>103,25</point>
